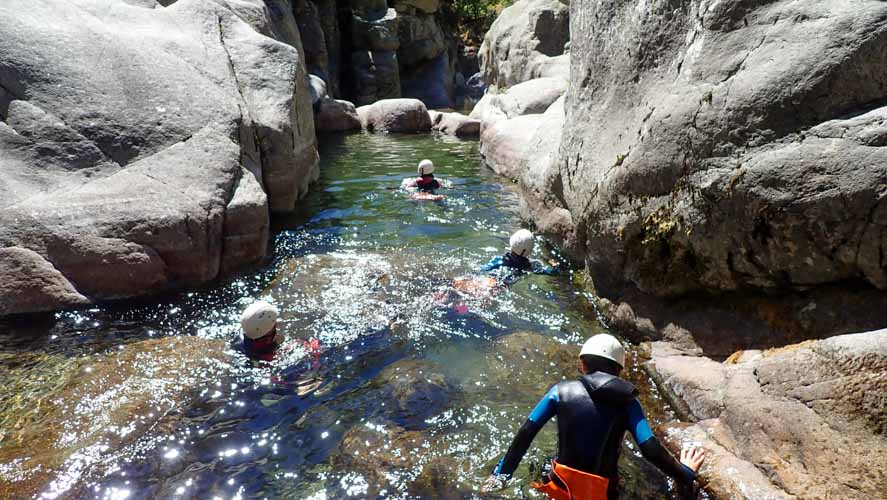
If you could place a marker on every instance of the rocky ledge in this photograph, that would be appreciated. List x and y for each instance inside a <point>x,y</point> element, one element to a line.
<point>803,421</point>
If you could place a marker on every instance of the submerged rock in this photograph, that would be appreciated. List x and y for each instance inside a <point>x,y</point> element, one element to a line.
<point>395,115</point>
<point>414,391</point>
<point>59,429</point>
<point>141,149</point>
<point>530,363</point>
<point>395,459</point>
<point>806,420</point>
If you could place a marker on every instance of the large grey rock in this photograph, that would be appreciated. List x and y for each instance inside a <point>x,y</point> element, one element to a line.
<point>137,145</point>
<point>411,6</point>
<point>314,43</point>
<point>541,185</point>
<point>806,420</point>
<point>522,41</point>
<point>430,82</point>
<point>505,145</point>
<point>421,39</point>
<point>395,115</point>
<point>317,88</point>
<point>522,127</point>
<point>728,147</point>
<point>336,115</point>
<point>375,76</point>
<point>455,124</point>
<point>375,33</point>
<point>527,98</point>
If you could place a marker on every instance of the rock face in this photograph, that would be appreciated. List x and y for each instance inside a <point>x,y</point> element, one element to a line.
<point>728,151</point>
<point>520,133</point>
<point>395,115</point>
<point>367,50</point>
<point>96,408</point>
<point>141,149</point>
<point>805,421</point>
<point>527,41</point>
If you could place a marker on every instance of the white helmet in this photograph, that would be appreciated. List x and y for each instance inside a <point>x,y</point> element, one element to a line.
<point>258,319</point>
<point>426,167</point>
<point>521,243</point>
<point>604,346</point>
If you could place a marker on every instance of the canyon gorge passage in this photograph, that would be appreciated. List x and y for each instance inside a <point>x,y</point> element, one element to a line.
<point>712,173</point>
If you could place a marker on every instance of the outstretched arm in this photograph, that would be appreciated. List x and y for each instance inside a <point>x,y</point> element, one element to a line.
<point>540,268</point>
<point>494,263</point>
<point>652,450</point>
<point>545,409</point>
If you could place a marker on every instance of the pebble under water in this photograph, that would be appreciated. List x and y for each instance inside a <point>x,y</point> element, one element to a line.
<point>390,384</point>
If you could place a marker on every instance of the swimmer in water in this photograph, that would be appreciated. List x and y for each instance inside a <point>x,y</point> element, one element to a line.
<point>259,323</point>
<point>516,262</point>
<point>425,186</point>
<point>502,270</point>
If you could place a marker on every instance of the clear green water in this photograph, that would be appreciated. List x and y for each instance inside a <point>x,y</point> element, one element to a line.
<point>414,390</point>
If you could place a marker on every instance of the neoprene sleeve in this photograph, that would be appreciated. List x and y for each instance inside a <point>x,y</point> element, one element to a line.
<point>519,447</point>
<point>654,452</point>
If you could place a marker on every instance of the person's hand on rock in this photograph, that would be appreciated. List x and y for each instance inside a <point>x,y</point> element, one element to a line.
<point>692,457</point>
<point>492,483</point>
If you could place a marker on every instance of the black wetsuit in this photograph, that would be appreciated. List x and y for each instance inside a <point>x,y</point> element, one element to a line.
<point>427,184</point>
<point>593,414</point>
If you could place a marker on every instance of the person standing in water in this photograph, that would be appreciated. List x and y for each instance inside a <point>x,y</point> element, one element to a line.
<point>593,414</point>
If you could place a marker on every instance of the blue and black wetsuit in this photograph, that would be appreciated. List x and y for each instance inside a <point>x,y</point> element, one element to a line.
<point>510,267</point>
<point>593,414</point>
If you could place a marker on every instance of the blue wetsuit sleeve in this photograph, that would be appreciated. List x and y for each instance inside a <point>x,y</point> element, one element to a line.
<point>542,413</point>
<point>540,268</point>
<point>637,423</point>
<point>651,449</point>
<point>494,263</point>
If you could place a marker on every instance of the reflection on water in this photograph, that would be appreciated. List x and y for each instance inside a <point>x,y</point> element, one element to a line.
<point>389,383</point>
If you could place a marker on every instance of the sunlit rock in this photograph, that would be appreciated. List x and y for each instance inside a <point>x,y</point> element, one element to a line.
<point>806,420</point>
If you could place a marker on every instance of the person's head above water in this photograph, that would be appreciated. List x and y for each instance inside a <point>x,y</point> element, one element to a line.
<point>258,320</point>
<point>426,167</point>
<point>602,353</point>
<point>521,243</point>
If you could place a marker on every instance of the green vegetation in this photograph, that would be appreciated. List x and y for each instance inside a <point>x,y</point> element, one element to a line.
<point>473,18</point>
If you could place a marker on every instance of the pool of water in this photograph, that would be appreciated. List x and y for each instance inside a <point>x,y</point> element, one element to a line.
<point>390,383</point>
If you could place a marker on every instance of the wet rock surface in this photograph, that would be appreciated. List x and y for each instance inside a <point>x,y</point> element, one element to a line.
<point>161,170</point>
<point>82,412</point>
<point>805,420</point>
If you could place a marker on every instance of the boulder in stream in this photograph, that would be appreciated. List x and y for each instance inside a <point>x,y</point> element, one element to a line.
<point>336,115</point>
<point>395,115</point>
<point>455,124</point>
